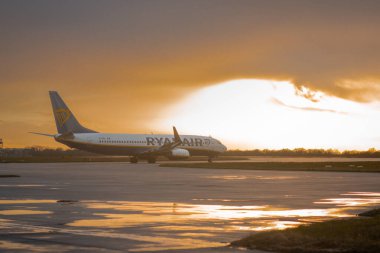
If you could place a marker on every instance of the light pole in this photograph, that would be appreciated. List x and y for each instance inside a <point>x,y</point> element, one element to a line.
<point>1,147</point>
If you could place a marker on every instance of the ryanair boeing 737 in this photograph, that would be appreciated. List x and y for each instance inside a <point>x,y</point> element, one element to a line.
<point>137,146</point>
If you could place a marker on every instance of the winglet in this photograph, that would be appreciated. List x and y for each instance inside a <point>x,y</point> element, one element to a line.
<point>164,149</point>
<point>176,135</point>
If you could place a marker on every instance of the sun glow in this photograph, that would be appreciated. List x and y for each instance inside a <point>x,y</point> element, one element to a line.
<point>252,113</point>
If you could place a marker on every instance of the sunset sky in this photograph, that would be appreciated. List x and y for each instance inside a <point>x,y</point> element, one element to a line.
<point>254,74</point>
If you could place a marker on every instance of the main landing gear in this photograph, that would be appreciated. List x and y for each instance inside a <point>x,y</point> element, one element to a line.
<point>209,159</point>
<point>133,159</point>
<point>151,160</point>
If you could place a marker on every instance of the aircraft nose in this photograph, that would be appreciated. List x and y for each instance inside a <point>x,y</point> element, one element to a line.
<point>224,148</point>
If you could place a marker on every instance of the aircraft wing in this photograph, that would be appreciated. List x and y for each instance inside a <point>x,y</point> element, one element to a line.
<point>166,147</point>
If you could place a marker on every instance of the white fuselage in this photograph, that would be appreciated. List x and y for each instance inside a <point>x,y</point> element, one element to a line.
<point>146,146</point>
<point>135,144</point>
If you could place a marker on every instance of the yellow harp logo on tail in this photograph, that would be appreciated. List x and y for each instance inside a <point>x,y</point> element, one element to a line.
<point>62,115</point>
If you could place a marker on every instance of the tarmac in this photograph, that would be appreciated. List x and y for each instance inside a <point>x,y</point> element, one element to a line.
<point>122,207</point>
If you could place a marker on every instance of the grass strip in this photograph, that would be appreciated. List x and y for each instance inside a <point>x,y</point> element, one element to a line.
<point>339,236</point>
<point>373,166</point>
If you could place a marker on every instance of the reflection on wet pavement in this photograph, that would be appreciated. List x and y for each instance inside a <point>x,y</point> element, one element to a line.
<point>234,177</point>
<point>26,201</point>
<point>21,185</point>
<point>173,226</point>
<point>367,199</point>
<point>22,212</point>
<point>116,207</point>
<point>16,246</point>
<point>150,243</point>
<point>228,177</point>
<point>178,213</point>
<point>364,194</point>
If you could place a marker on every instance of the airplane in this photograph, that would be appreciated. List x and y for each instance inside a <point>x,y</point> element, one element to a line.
<point>138,146</point>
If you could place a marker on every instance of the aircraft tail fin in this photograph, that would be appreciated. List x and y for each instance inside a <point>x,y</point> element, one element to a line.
<point>176,135</point>
<point>64,118</point>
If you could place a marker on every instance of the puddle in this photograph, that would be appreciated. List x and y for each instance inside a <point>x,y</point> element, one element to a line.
<point>67,201</point>
<point>269,225</point>
<point>364,194</point>
<point>23,212</point>
<point>224,200</point>
<point>16,246</point>
<point>358,199</point>
<point>233,177</point>
<point>8,176</point>
<point>228,177</point>
<point>176,226</point>
<point>26,201</point>
<point>148,243</point>
<point>22,185</point>
<point>23,206</point>
<point>275,177</point>
<point>190,218</point>
<point>196,234</point>
<point>187,228</point>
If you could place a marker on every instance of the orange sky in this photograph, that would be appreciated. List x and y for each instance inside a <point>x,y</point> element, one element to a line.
<point>120,64</point>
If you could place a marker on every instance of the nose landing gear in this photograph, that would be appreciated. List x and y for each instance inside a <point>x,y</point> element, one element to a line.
<point>133,159</point>
<point>152,160</point>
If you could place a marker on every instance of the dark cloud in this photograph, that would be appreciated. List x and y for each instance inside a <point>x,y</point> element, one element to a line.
<point>279,102</point>
<point>315,43</point>
<point>119,58</point>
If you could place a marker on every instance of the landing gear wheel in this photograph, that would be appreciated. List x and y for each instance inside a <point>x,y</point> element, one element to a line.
<point>210,160</point>
<point>151,160</point>
<point>133,159</point>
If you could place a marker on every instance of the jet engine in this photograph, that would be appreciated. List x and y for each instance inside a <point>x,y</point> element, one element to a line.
<point>178,154</point>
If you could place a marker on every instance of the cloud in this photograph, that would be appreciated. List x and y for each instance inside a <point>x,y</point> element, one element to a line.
<point>268,114</point>
<point>125,60</point>
<point>278,102</point>
<point>190,44</point>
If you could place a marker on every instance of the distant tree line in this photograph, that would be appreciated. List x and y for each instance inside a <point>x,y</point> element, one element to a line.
<point>301,152</point>
<point>40,151</point>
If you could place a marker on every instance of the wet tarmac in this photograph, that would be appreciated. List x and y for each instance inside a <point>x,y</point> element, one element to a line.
<point>122,207</point>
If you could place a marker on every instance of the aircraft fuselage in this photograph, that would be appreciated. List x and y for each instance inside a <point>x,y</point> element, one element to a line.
<point>135,144</point>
